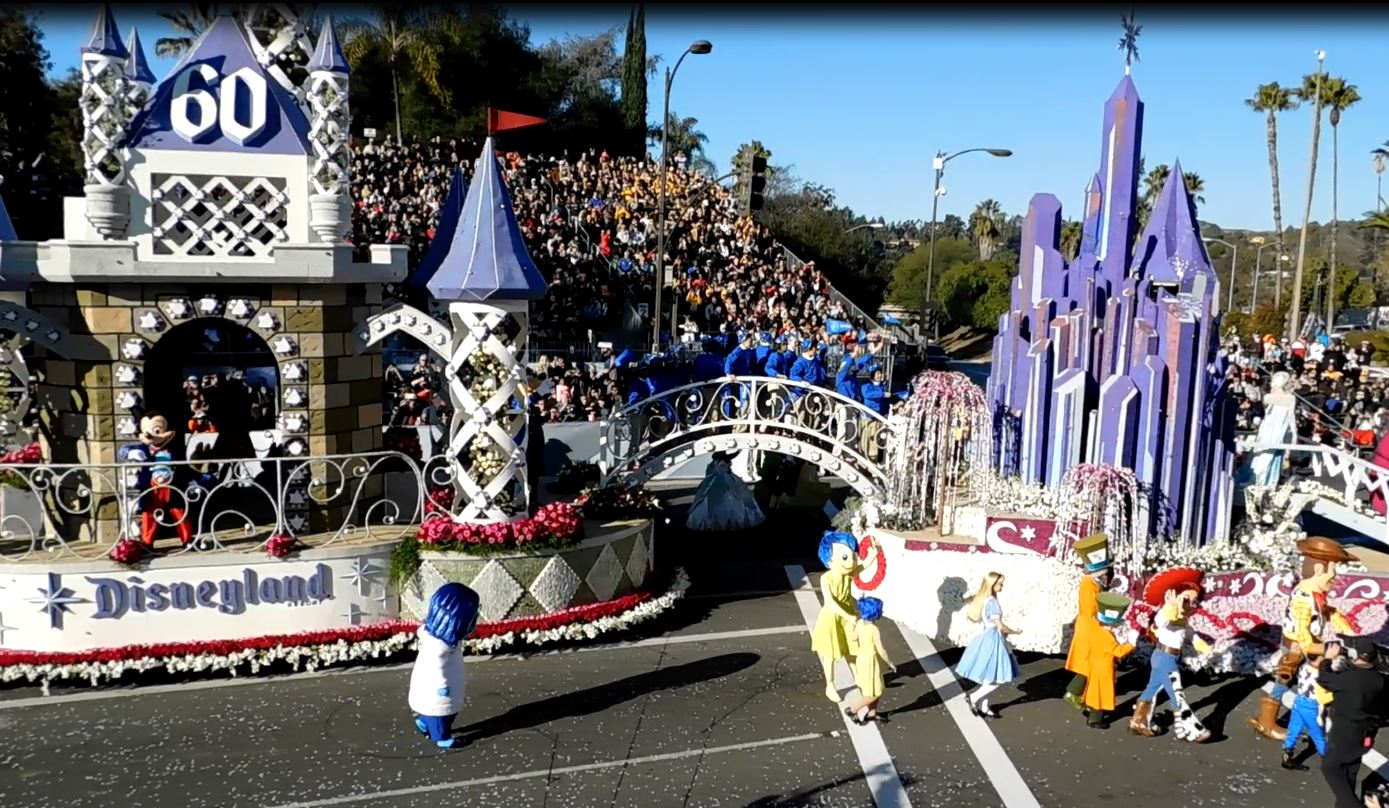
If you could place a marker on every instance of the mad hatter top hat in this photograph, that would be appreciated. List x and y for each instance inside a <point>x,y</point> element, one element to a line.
<point>1094,552</point>
<point>1112,606</point>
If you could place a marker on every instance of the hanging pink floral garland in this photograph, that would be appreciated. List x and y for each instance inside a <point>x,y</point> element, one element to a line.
<point>1102,498</point>
<point>945,437</point>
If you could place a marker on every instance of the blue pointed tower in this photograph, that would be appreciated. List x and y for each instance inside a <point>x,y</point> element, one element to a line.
<point>444,231</point>
<point>488,279</point>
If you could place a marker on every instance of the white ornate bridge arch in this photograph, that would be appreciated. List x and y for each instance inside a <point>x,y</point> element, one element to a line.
<point>837,434</point>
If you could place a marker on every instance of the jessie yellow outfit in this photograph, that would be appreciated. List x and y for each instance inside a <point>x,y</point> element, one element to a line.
<point>868,668</point>
<point>1103,651</point>
<point>1087,625</point>
<point>829,636</point>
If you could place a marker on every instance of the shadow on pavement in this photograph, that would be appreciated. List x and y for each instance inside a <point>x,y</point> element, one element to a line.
<point>605,696</point>
<point>808,796</point>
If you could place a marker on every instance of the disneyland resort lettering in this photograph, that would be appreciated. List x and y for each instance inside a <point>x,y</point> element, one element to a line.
<point>115,598</point>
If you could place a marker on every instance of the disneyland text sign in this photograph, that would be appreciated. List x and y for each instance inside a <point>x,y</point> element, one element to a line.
<point>116,598</point>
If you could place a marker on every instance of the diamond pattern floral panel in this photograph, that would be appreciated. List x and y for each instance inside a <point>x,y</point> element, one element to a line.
<point>207,215</point>
<point>594,570</point>
<point>497,592</point>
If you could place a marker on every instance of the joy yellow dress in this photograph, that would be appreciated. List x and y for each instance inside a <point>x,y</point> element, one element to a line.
<point>830,637</point>
<point>868,668</point>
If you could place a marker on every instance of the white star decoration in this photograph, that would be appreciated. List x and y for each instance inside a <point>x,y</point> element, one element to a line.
<point>294,371</point>
<point>53,334</point>
<point>362,575</point>
<point>353,614</point>
<point>209,305</point>
<point>133,348</point>
<point>294,397</point>
<point>126,427</point>
<point>149,321</point>
<point>55,600</point>
<point>296,447</point>
<point>128,400</point>
<point>178,308</point>
<point>294,423</point>
<point>283,345</point>
<point>127,374</point>
<point>267,321</point>
<point>11,315</point>
<point>240,308</point>
<point>1028,533</point>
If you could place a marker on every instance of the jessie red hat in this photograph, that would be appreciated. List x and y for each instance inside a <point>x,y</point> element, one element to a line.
<point>1159,585</point>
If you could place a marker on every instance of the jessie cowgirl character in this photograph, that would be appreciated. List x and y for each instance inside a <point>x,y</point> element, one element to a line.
<point>1176,591</point>
<point>1304,626</point>
<point>156,503</point>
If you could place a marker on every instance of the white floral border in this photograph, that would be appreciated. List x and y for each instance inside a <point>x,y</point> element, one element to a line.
<point>312,657</point>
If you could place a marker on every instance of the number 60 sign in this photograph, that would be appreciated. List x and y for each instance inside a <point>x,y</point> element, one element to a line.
<point>194,113</point>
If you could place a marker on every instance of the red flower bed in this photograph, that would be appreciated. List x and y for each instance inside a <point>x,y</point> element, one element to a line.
<point>554,523</point>
<point>352,634</point>
<point>33,453</point>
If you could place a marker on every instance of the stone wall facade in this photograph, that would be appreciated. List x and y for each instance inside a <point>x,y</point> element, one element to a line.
<point>330,400</point>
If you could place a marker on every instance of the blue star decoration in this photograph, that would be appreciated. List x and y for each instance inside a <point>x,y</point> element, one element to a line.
<point>55,600</point>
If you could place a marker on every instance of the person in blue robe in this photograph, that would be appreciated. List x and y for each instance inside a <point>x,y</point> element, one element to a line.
<point>874,393</point>
<point>846,381</point>
<point>808,368</point>
<point>763,349</point>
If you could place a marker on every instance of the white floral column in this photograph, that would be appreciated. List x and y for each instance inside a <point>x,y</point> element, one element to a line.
<point>105,116</point>
<point>328,132</point>
<point>486,373</point>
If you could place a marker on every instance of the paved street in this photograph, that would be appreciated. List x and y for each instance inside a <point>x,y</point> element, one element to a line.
<point>718,705</point>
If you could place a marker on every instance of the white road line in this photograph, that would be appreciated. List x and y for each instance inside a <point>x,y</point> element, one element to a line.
<point>1004,776</point>
<point>585,767</point>
<point>242,680</point>
<point>1377,762</point>
<point>878,768</point>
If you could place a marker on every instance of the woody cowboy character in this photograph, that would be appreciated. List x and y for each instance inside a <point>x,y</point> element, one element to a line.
<point>1176,591</point>
<point>1305,623</point>
<point>155,480</point>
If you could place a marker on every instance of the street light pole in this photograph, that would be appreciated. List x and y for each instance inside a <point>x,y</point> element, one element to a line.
<point>1258,270</point>
<point>699,46</point>
<point>1234,257</point>
<point>938,163</point>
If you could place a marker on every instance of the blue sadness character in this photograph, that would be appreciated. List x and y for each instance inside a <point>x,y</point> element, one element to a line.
<point>436,683</point>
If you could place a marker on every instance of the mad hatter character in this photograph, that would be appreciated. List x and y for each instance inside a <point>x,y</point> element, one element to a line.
<point>1176,592</point>
<point>437,680</point>
<point>838,613</point>
<point>1304,624</point>
<point>156,502</point>
<point>1097,565</point>
<point>1103,650</point>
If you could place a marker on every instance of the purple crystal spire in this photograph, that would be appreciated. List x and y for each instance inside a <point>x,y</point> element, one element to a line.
<point>1119,151</point>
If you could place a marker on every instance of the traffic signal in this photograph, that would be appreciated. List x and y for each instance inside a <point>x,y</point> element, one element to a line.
<point>751,182</point>
<point>757,181</point>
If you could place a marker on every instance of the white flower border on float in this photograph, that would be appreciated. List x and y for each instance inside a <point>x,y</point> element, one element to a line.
<point>312,657</point>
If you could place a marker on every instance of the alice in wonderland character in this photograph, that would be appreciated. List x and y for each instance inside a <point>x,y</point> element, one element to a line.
<point>987,659</point>
<point>838,616</point>
<point>1094,554</point>
<point>158,503</point>
<point>1176,591</point>
<point>437,680</point>
<point>723,502</point>
<point>868,664</point>
<point>1103,650</point>
<point>1308,617</point>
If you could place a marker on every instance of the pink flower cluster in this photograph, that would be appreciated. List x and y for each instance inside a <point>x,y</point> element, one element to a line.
<point>281,545</point>
<point>556,522</point>
<point>31,453</point>
<point>128,552</point>
<point>439,500</point>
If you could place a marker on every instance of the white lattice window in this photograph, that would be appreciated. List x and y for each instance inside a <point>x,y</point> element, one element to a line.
<point>206,215</point>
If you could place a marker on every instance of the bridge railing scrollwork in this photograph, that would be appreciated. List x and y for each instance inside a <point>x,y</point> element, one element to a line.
<point>832,430</point>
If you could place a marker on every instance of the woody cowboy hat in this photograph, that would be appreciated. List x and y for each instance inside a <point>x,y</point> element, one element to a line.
<point>1319,548</point>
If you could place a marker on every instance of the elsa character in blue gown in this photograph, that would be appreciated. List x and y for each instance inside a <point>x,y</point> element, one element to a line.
<point>987,659</point>
<point>723,502</point>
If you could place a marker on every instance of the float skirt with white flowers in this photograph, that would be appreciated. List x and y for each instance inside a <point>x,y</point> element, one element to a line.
<point>319,649</point>
<point>926,584</point>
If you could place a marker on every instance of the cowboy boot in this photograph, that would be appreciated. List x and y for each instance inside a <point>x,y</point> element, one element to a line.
<point>1266,723</point>
<point>1141,723</point>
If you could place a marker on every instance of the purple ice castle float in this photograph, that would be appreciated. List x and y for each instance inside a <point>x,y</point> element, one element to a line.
<point>1114,358</point>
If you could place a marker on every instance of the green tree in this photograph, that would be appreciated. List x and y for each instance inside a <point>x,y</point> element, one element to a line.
<point>976,293</point>
<point>190,21</point>
<point>1070,240</point>
<point>685,136</point>
<point>1271,99</point>
<point>1338,96</point>
<point>634,75</point>
<point>1153,183</point>
<point>406,37</point>
<point>908,287</point>
<point>986,227</point>
<point>761,151</point>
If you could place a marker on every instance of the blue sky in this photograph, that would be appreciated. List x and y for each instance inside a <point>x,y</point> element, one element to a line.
<point>861,103</point>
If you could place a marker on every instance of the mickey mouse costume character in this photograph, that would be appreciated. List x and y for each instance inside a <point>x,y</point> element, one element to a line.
<point>156,503</point>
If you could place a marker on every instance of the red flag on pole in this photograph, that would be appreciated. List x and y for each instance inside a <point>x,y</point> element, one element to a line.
<point>500,121</point>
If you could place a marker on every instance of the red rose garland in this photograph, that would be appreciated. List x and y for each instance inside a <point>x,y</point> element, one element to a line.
<point>32,453</point>
<point>555,522</point>
<point>879,571</point>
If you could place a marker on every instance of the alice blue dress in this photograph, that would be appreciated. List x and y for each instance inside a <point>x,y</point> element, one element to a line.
<point>987,659</point>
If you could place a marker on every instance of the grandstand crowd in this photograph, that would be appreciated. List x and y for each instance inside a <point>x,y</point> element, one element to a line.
<point>590,224</point>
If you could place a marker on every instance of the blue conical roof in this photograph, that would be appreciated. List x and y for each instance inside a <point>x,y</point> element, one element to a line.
<point>6,226</point>
<point>138,68</point>
<point>486,257</point>
<point>106,37</point>
<point>443,233</point>
<point>327,55</point>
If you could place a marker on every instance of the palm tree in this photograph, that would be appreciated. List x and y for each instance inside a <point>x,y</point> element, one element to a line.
<point>191,23</point>
<point>1272,99</point>
<point>1308,92</point>
<point>1338,96</point>
<point>403,35</point>
<point>1154,181</point>
<point>1070,240</point>
<point>985,226</point>
<point>1195,186</point>
<point>1376,220</point>
<point>685,137</point>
